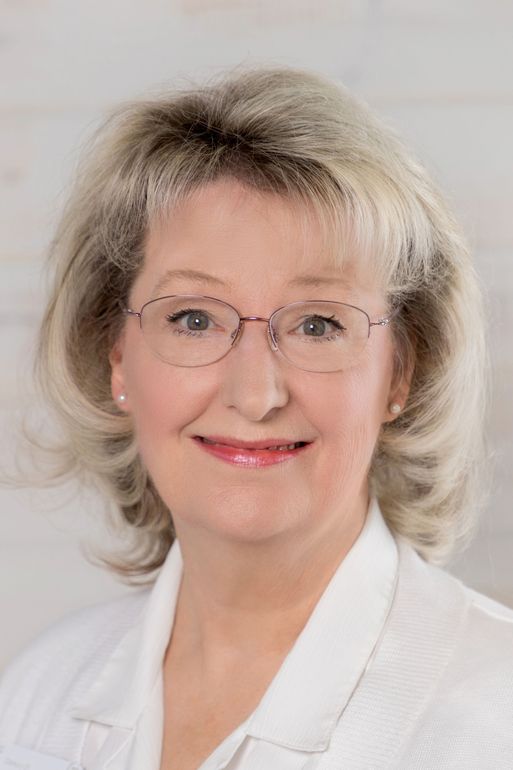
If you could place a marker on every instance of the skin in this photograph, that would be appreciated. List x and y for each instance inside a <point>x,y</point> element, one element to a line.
<point>259,545</point>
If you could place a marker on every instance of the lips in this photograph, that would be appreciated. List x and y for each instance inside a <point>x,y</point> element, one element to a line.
<point>245,457</point>
<point>269,444</point>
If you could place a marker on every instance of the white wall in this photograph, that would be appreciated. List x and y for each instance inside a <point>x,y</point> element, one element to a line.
<point>441,72</point>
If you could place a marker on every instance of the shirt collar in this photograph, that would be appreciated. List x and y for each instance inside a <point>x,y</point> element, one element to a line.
<point>318,676</point>
<point>323,668</point>
<point>124,684</point>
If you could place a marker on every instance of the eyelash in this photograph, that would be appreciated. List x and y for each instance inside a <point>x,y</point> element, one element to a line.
<point>191,333</point>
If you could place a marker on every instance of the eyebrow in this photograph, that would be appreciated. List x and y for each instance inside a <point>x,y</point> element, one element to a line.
<point>304,280</point>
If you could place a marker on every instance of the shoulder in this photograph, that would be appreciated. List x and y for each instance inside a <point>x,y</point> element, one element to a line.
<point>486,645</point>
<point>69,650</point>
<point>461,642</point>
<point>477,676</point>
<point>486,607</point>
<point>433,590</point>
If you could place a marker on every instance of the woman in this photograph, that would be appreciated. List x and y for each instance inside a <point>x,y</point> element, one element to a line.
<point>265,342</point>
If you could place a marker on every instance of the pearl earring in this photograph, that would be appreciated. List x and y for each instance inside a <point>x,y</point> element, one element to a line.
<point>121,398</point>
<point>395,408</point>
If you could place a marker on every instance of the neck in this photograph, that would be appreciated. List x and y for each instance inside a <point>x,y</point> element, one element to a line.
<point>247,599</point>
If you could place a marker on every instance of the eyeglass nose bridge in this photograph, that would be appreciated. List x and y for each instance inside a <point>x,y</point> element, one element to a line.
<point>270,333</point>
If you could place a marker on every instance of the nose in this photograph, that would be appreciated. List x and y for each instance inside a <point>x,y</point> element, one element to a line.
<point>254,380</point>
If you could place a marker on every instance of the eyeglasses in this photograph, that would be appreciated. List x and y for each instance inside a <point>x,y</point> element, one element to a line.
<point>195,330</point>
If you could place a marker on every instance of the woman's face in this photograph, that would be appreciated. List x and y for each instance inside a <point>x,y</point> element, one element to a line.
<point>256,245</point>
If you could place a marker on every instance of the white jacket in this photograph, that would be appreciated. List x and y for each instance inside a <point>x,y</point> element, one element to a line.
<point>399,666</point>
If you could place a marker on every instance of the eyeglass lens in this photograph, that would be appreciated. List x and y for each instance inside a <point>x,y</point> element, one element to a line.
<point>317,336</point>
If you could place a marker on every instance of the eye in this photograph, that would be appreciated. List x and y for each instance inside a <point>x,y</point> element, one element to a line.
<point>200,322</point>
<point>317,323</point>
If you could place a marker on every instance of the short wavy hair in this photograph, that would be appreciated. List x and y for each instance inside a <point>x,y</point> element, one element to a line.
<point>301,135</point>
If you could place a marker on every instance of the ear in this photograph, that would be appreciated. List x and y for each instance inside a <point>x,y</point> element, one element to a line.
<point>117,377</point>
<point>399,387</point>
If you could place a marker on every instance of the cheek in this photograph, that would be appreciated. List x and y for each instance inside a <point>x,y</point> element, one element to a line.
<point>163,399</point>
<point>348,416</point>
<point>351,409</point>
<point>159,394</point>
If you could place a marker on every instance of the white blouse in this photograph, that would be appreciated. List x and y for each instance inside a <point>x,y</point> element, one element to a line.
<point>399,666</point>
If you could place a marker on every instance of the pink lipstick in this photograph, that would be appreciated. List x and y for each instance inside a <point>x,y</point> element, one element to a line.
<point>251,458</point>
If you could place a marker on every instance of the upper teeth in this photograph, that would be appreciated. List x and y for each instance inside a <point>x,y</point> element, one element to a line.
<point>281,448</point>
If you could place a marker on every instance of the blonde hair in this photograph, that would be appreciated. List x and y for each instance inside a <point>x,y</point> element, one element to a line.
<point>297,134</point>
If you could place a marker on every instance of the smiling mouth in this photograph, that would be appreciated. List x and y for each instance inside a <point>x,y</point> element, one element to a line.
<point>281,448</point>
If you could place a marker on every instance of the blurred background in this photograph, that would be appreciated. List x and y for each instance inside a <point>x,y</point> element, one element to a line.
<point>440,73</point>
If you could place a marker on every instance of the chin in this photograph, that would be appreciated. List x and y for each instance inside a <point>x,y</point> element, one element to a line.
<point>243,522</point>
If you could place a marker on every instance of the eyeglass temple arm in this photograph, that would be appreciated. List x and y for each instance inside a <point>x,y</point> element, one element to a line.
<point>385,321</point>
<point>127,310</point>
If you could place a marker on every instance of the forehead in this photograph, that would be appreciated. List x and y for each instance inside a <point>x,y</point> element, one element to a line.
<point>227,235</point>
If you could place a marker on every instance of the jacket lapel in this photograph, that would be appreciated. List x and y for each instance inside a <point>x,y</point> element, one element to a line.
<point>128,748</point>
<point>113,753</point>
<point>123,707</point>
<point>420,636</point>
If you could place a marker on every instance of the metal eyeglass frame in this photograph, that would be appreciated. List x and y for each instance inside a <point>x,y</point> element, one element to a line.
<point>273,343</point>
